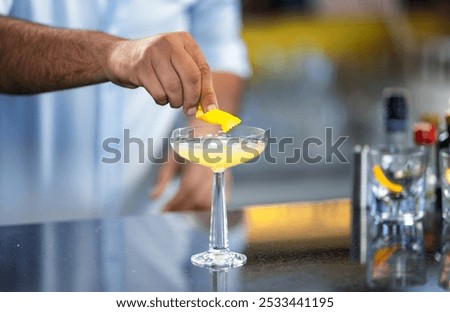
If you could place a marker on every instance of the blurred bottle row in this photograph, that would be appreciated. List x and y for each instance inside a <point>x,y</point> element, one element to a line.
<point>432,132</point>
<point>401,201</point>
<point>398,259</point>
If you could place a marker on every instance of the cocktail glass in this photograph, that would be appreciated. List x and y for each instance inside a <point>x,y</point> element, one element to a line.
<point>215,149</point>
<point>405,169</point>
<point>444,161</point>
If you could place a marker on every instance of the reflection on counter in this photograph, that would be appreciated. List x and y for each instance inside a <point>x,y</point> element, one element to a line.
<point>219,280</point>
<point>444,272</point>
<point>128,254</point>
<point>396,256</point>
<point>299,226</point>
<point>289,251</point>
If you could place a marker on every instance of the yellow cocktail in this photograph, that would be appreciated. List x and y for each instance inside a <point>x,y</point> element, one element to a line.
<point>211,147</point>
<point>221,152</point>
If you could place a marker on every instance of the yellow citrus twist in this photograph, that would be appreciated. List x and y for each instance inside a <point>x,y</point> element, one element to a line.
<point>383,254</point>
<point>381,178</point>
<point>218,117</point>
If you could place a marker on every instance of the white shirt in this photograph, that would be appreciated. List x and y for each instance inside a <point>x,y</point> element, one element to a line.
<point>51,144</point>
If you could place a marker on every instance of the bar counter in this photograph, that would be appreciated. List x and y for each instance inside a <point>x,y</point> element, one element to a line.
<point>290,247</point>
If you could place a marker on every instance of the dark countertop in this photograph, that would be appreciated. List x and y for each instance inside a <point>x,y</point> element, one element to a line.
<point>303,247</point>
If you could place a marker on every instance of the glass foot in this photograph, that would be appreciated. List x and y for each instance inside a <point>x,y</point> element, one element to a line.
<point>219,259</point>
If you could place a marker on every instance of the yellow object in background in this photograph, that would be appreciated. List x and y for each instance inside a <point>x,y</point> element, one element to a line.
<point>218,117</point>
<point>381,267</point>
<point>447,175</point>
<point>381,178</point>
<point>382,255</point>
<point>297,226</point>
<point>338,37</point>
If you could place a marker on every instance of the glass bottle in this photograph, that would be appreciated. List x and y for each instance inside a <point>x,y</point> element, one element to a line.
<point>396,118</point>
<point>425,135</point>
<point>443,142</point>
<point>444,136</point>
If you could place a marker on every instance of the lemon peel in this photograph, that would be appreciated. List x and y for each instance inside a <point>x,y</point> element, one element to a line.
<point>381,178</point>
<point>218,117</point>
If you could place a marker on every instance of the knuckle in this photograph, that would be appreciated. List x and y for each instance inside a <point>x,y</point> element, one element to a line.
<point>184,34</point>
<point>164,37</point>
<point>194,78</point>
<point>173,87</point>
<point>164,41</point>
<point>208,92</point>
<point>204,68</point>
<point>191,103</point>
<point>191,100</point>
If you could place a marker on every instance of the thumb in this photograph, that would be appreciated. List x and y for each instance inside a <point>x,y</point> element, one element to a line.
<point>165,175</point>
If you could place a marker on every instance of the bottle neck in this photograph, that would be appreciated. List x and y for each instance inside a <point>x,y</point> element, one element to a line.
<point>396,139</point>
<point>431,157</point>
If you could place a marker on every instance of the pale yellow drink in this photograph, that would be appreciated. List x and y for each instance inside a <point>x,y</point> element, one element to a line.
<point>219,153</point>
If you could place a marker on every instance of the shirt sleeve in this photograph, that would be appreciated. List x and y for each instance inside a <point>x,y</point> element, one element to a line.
<point>216,26</point>
<point>5,6</point>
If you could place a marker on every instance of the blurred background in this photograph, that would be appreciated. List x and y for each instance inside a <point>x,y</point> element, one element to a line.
<point>319,67</point>
<point>324,64</point>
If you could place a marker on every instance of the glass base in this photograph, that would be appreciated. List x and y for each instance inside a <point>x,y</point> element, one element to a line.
<point>407,218</point>
<point>219,259</point>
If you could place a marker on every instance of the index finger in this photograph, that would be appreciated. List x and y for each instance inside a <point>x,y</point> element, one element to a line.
<point>208,98</point>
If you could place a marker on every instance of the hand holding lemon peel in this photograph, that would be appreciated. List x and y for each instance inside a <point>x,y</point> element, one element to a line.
<point>218,117</point>
<point>381,178</point>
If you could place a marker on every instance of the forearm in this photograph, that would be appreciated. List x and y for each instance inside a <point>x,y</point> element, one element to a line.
<point>36,58</point>
<point>229,89</point>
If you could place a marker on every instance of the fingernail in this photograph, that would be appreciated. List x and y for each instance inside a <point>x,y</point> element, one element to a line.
<point>211,107</point>
<point>191,111</point>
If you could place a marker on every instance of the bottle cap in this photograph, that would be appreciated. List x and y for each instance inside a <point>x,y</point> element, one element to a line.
<point>424,133</point>
<point>396,110</point>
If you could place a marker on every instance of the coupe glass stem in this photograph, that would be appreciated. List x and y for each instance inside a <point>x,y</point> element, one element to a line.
<point>218,233</point>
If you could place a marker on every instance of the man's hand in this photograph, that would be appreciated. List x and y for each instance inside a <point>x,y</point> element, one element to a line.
<point>171,67</point>
<point>36,58</point>
<point>195,188</point>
